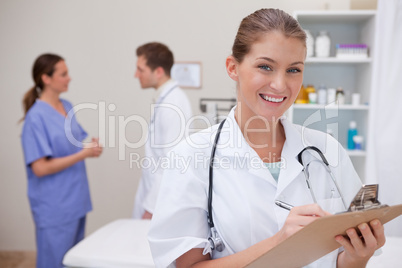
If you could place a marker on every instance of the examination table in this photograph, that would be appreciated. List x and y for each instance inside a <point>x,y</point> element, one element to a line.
<point>120,244</point>
<point>123,244</point>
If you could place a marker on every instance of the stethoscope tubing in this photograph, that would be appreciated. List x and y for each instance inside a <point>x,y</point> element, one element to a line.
<point>328,169</point>
<point>211,171</point>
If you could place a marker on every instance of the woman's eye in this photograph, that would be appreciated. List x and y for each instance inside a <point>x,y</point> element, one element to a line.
<point>265,67</point>
<point>294,70</point>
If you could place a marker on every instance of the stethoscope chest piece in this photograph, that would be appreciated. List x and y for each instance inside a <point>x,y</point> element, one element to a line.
<point>216,241</point>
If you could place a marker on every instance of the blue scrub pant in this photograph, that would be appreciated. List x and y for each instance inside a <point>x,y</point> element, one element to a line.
<point>52,243</point>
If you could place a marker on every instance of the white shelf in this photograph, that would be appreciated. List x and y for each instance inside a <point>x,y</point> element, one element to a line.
<point>340,107</point>
<point>334,16</point>
<point>337,60</point>
<point>356,153</point>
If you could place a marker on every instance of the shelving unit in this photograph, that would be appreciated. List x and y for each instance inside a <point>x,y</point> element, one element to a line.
<point>353,75</point>
<point>339,107</point>
<point>336,60</point>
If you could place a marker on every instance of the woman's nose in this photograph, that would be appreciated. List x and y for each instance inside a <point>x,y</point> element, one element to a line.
<point>278,82</point>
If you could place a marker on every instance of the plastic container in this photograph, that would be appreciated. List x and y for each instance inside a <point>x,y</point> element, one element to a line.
<point>358,140</point>
<point>312,98</point>
<point>309,43</point>
<point>310,89</point>
<point>352,132</point>
<point>340,96</point>
<point>331,95</point>
<point>352,51</point>
<point>322,45</point>
<point>355,99</point>
<point>302,97</point>
<point>322,95</point>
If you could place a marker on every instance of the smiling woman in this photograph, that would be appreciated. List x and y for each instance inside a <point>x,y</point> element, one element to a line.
<point>268,79</point>
<point>271,75</point>
<point>235,220</point>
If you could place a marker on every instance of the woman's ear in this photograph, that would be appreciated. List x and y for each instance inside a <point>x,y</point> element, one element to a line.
<point>231,68</point>
<point>45,79</point>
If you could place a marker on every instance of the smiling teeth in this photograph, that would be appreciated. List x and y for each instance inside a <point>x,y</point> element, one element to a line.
<point>272,99</point>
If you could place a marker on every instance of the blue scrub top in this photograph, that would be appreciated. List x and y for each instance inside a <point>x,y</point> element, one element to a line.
<point>63,196</point>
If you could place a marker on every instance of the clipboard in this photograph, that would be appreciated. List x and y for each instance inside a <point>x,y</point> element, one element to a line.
<point>318,238</point>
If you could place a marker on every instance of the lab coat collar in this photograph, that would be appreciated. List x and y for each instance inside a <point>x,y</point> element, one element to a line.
<point>231,133</point>
<point>164,89</point>
<point>233,143</point>
<point>291,167</point>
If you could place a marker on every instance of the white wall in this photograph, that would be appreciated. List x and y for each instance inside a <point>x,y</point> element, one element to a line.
<point>98,40</point>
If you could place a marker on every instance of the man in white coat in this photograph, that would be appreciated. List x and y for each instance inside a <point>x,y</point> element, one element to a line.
<point>169,114</point>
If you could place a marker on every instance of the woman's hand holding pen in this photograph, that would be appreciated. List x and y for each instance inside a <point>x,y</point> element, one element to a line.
<point>298,218</point>
<point>93,149</point>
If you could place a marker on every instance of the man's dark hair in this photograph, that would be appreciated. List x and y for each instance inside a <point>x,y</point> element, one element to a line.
<point>157,55</point>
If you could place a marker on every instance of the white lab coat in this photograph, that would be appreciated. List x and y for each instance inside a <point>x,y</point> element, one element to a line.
<point>166,129</point>
<point>244,192</point>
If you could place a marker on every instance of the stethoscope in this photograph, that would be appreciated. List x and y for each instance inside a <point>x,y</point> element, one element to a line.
<point>325,163</point>
<point>160,100</point>
<point>151,127</point>
<point>215,240</point>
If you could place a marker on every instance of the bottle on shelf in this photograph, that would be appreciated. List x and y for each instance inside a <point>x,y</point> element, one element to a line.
<point>312,98</point>
<point>322,94</point>
<point>340,96</point>
<point>331,95</point>
<point>322,45</point>
<point>352,131</point>
<point>311,94</point>
<point>356,99</point>
<point>309,43</point>
<point>302,97</point>
<point>358,140</point>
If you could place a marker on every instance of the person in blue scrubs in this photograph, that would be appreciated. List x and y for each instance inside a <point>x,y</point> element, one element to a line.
<point>54,155</point>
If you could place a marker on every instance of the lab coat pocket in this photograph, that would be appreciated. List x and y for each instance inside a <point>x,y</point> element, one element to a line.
<point>332,205</point>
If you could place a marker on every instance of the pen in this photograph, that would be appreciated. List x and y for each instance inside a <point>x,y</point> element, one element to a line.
<point>283,205</point>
